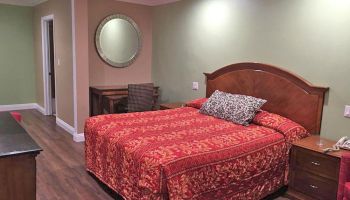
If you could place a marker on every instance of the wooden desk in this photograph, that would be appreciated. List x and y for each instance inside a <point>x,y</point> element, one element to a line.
<point>98,92</point>
<point>17,161</point>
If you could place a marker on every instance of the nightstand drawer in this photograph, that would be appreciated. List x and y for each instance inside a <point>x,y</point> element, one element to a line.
<point>314,186</point>
<point>317,163</point>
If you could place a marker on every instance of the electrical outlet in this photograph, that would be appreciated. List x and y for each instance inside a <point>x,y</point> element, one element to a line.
<point>195,86</point>
<point>347,111</point>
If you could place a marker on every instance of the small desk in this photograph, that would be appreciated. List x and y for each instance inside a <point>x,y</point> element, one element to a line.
<point>98,92</point>
<point>17,161</point>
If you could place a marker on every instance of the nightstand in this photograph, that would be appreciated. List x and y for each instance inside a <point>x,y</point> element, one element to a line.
<point>166,106</point>
<point>313,174</point>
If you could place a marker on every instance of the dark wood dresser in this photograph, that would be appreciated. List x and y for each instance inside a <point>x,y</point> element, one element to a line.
<point>314,174</point>
<point>17,161</point>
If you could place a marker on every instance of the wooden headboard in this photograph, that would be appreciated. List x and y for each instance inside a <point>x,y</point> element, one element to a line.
<point>287,94</point>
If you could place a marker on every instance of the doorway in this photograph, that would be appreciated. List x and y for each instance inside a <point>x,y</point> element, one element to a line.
<point>47,24</point>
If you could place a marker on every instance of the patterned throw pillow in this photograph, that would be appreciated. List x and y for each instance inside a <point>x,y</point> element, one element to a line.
<point>239,109</point>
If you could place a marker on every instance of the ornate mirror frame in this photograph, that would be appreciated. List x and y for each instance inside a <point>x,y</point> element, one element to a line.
<point>98,46</point>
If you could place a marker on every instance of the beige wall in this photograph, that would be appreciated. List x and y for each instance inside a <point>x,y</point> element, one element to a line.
<point>90,69</point>
<point>140,70</point>
<point>61,9</point>
<point>82,62</point>
<point>308,37</point>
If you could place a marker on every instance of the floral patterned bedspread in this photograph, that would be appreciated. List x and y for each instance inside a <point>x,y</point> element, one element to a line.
<point>182,154</point>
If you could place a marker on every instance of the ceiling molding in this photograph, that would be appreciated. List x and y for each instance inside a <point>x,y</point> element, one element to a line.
<point>37,2</point>
<point>150,2</point>
<point>22,2</point>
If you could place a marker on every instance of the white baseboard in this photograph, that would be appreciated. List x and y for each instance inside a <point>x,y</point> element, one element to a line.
<point>76,137</point>
<point>65,126</point>
<point>79,137</point>
<point>25,106</point>
<point>18,107</point>
<point>40,109</point>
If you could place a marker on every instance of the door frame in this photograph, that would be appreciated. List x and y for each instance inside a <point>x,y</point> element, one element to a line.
<point>45,43</point>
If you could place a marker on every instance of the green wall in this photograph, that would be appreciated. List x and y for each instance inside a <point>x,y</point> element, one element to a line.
<point>17,69</point>
<point>308,37</point>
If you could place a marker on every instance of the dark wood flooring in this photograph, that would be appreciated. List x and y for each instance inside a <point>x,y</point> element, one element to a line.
<point>61,170</point>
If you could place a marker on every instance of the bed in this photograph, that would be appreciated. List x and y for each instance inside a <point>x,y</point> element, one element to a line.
<point>182,154</point>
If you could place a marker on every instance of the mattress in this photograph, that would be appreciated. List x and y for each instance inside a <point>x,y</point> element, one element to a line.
<point>182,154</point>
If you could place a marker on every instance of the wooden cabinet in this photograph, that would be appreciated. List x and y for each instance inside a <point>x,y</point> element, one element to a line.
<point>17,161</point>
<point>18,177</point>
<point>314,174</point>
<point>165,106</point>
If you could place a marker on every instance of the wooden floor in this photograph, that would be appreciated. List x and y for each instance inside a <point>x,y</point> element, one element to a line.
<point>61,170</point>
<point>60,166</point>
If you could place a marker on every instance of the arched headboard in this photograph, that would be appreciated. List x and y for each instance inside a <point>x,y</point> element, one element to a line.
<point>286,93</point>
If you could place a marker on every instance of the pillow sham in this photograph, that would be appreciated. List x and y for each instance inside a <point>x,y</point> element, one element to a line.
<point>237,108</point>
<point>197,103</point>
<point>290,129</point>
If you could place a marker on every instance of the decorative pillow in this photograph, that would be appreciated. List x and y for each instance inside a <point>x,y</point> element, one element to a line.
<point>239,109</point>
<point>197,103</point>
<point>290,129</point>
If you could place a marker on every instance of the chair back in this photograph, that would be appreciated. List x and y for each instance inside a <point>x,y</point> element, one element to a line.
<point>140,97</point>
<point>344,177</point>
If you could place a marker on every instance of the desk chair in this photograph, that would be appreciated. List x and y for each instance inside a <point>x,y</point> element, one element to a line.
<point>140,98</point>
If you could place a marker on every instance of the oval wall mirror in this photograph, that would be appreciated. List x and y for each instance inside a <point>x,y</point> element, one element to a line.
<point>118,40</point>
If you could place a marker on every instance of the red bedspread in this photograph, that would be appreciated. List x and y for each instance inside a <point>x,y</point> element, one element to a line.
<point>182,154</point>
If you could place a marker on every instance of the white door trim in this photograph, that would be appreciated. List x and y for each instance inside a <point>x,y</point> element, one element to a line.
<point>46,67</point>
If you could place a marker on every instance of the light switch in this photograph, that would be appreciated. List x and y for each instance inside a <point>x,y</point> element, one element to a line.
<point>347,111</point>
<point>58,62</point>
<point>195,86</point>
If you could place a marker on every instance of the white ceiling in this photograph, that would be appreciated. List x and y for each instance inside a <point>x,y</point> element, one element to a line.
<point>22,2</point>
<point>36,2</point>
<point>150,2</point>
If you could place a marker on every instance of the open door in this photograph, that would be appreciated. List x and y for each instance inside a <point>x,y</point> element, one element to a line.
<point>52,67</point>
<point>47,24</point>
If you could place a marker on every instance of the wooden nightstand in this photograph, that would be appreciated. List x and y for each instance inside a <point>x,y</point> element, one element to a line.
<point>166,106</point>
<point>314,174</point>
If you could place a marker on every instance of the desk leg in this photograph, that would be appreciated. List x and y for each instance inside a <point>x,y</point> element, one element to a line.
<point>91,103</point>
<point>99,105</point>
<point>111,107</point>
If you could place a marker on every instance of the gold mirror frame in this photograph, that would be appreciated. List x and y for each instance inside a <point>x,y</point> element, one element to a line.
<point>98,45</point>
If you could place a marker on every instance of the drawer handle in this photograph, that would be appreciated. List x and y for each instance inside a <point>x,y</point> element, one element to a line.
<point>315,163</point>
<point>313,186</point>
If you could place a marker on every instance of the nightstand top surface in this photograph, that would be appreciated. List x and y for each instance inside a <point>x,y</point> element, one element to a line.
<point>172,105</point>
<point>311,143</point>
